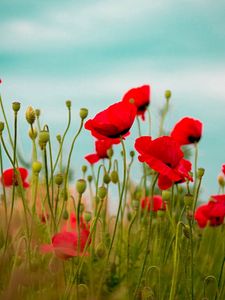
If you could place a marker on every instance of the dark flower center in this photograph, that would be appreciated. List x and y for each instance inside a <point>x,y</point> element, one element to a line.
<point>143,107</point>
<point>193,139</point>
<point>118,134</point>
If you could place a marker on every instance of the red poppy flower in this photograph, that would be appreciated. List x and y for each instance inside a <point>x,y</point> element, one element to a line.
<point>101,147</point>
<point>157,203</point>
<point>141,97</point>
<point>212,213</point>
<point>187,131</point>
<point>113,122</point>
<point>65,243</point>
<point>165,157</point>
<point>9,178</point>
<point>223,169</point>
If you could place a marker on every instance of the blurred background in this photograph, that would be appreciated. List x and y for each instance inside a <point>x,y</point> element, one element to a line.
<point>92,52</point>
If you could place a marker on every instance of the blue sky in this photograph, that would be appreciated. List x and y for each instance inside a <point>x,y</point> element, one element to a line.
<point>92,52</point>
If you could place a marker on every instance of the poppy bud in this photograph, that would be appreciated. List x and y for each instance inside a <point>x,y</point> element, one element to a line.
<point>36,167</point>
<point>68,104</point>
<point>43,138</point>
<point>81,186</point>
<point>189,215</point>
<point>168,94</point>
<point>166,195</point>
<point>221,180</point>
<point>110,152</point>
<point>58,179</point>
<point>114,177</point>
<point>65,215</point>
<point>188,200</point>
<point>102,192</point>
<point>16,106</point>
<point>87,216</point>
<point>32,133</point>
<point>84,169</point>
<point>89,178</point>
<point>37,112</point>
<point>30,115</point>
<point>200,172</point>
<point>132,153</point>
<point>83,113</point>
<point>135,204</point>
<point>59,138</point>
<point>186,231</point>
<point>2,126</point>
<point>100,250</point>
<point>106,178</point>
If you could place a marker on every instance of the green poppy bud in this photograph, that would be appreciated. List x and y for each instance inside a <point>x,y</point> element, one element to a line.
<point>168,94</point>
<point>32,133</point>
<point>37,112</point>
<point>87,216</point>
<point>102,192</point>
<point>114,177</point>
<point>221,180</point>
<point>132,153</point>
<point>89,178</point>
<point>81,186</point>
<point>106,178</point>
<point>84,169</point>
<point>43,137</point>
<point>68,104</point>
<point>36,167</point>
<point>188,200</point>
<point>166,195</point>
<point>83,113</point>
<point>58,179</point>
<point>30,115</point>
<point>59,138</point>
<point>16,106</point>
<point>110,152</point>
<point>200,172</point>
<point>100,250</point>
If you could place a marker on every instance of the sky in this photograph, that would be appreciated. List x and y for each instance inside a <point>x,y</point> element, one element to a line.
<point>92,52</point>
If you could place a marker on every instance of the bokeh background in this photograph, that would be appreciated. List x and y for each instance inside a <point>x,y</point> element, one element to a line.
<point>92,52</point>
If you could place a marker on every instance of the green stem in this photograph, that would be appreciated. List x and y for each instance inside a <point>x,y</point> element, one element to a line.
<point>3,187</point>
<point>148,240</point>
<point>175,262</point>
<point>128,244</point>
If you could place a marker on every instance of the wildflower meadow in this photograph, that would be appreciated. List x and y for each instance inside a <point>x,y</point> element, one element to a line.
<point>57,242</point>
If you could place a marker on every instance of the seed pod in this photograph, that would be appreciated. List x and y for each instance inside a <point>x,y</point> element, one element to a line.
<point>81,186</point>
<point>114,177</point>
<point>87,216</point>
<point>188,200</point>
<point>200,172</point>
<point>37,112</point>
<point>83,113</point>
<point>101,250</point>
<point>16,106</point>
<point>58,179</point>
<point>68,104</point>
<point>168,94</point>
<point>106,178</point>
<point>166,195</point>
<point>84,169</point>
<point>102,192</point>
<point>36,167</point>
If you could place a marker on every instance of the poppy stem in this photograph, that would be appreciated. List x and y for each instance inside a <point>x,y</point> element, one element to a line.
<point>69,159</point>
<point>175,262</point>
<point>148,239</point>
<point>128,245</point>
<point>47,188</point>
<point>3,187</point>
<point>163,116</point>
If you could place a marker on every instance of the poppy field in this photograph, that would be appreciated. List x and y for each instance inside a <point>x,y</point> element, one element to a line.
<point>61,242</point>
